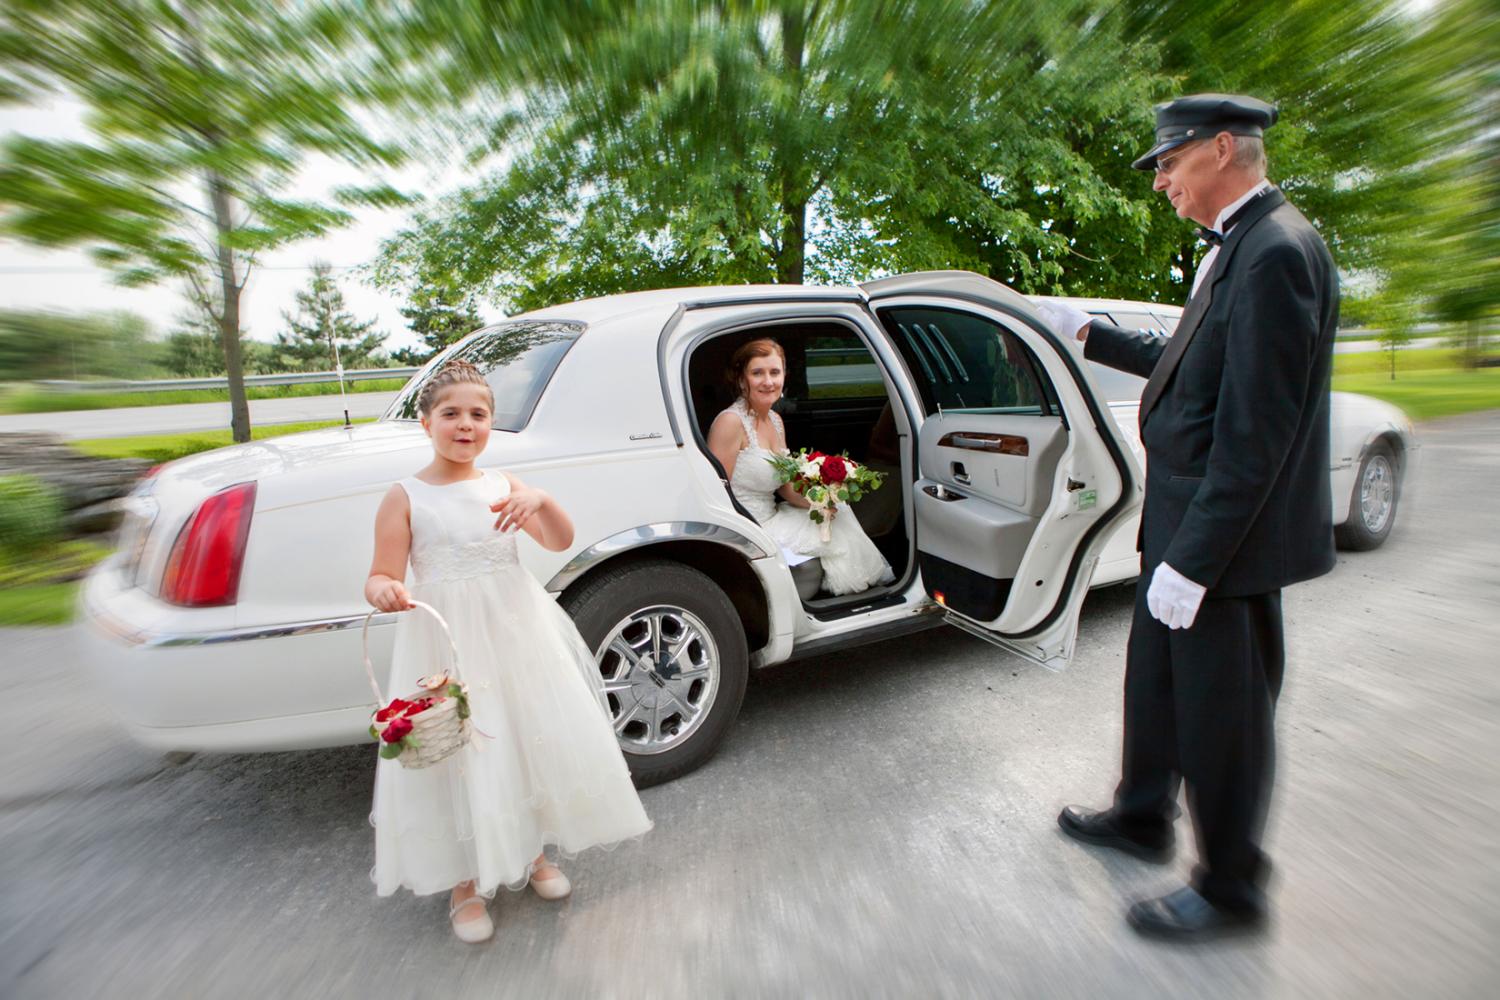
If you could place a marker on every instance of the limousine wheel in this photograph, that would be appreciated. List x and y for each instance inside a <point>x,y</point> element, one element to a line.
<point>1372,510</point>
<point>672,655</point>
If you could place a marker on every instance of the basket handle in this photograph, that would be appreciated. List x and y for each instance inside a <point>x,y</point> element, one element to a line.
<point>364,641</point>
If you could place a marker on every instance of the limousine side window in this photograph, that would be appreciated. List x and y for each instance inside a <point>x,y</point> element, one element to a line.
<point>960,361</point>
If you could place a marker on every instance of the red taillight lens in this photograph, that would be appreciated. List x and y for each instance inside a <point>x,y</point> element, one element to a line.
<point>204,567</point>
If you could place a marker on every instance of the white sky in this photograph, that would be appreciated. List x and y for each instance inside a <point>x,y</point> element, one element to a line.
<point>67,281</point>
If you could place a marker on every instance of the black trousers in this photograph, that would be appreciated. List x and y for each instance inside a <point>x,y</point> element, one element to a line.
<point>1199,708</point>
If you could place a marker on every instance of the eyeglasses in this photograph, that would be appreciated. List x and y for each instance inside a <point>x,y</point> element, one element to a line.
<point>1165,166</point>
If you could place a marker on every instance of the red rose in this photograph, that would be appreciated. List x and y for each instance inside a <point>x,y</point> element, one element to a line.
<point>416,707</point>
<point>834,471</point>
<point>395,708</point>
<point>396,730</point>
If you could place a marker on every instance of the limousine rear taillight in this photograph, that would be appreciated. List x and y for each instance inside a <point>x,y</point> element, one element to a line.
<point>203,569</point>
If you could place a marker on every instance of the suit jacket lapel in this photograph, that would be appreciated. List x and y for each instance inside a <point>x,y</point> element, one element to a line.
<point>1198,304</point>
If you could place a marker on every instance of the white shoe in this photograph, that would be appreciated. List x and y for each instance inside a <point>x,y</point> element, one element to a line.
<point>553,887</point>
<point>475,929</point>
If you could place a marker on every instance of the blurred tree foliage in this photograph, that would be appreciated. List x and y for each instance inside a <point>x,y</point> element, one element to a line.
<point>1378,110</point>
<point>46,345</point>
<point>669,142</point>
<point>322,331</point>
<point>439,315</point>
<point>201,112</point>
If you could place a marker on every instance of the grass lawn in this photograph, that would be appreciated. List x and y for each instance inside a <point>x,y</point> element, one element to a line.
<point>27,399</point>
<point>45,604</point>
<point>166,447</point>
<point>1425,395</point>
<point>39,588</point>
<point>1415,359</point>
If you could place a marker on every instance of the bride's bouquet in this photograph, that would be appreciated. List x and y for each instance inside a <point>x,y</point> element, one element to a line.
<point>825,480</point>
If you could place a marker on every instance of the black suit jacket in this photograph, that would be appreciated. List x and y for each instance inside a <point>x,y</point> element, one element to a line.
<point>1234,417</point>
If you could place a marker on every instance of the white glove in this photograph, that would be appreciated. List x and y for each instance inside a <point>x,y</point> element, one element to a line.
<point>1064,320</point>
<point>1172,598</point>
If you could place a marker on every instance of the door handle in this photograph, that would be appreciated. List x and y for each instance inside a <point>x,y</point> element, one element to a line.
<point>960,474</point>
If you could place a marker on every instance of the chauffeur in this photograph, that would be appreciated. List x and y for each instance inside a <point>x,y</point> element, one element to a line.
<point>1234,419</point>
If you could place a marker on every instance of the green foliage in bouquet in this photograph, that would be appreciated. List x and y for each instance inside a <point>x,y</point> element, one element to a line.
<point>825,479</point>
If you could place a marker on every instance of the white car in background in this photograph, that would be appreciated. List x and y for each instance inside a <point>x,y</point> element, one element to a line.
<point>1374,447</point>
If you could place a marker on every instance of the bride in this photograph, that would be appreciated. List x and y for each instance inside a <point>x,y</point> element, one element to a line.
<point>744,435</point>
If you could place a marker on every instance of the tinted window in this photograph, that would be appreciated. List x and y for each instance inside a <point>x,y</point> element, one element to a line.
<point>517,360</point>
<point>840,367</point>
<point>965,362</point>
<point>1135,320</point>
<point>1116,386</point>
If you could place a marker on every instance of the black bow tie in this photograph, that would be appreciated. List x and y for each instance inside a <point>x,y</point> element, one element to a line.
<point>1215,239</point>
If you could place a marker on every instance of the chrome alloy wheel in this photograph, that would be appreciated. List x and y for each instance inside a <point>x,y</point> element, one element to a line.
<point>1377,493</point>
<point>661,674</point>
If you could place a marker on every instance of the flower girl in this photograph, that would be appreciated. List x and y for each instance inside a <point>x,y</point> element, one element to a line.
<point>543,767</point>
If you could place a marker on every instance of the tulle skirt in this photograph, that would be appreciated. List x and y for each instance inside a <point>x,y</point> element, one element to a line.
<point>851,562</point>
<point>547,771</point>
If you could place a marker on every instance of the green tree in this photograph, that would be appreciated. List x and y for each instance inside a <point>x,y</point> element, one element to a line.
<point>201,112</point>
<point>323,331</point>
<point>1366,110</point>
<point>668,142</point>
<point>1461,271</point>
<point>439,315</point>
<point>48,345</point>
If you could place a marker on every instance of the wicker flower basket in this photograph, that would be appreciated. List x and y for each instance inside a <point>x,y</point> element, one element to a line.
<point>425,737</point>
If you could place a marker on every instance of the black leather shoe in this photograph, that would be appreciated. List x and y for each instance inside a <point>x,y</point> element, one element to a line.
<point>1186,916</point>
<point>1103,829</point>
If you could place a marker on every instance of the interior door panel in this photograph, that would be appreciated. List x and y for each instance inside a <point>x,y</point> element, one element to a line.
<point>1008,458</point>
<point>987,479</point>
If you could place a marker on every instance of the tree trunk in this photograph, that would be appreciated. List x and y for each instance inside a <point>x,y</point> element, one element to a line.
<point>790,261</point>
<point>229,316</point>
<point>791,257</point>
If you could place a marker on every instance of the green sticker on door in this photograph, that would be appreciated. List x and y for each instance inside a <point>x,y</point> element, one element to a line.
<point>1087,498</point>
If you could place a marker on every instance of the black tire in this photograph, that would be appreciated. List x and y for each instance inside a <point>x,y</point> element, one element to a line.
<point>1372,508</point>
<point>629,605</point>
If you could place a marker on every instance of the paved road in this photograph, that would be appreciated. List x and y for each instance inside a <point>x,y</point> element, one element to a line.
<point>131,421</point>
<point>878,824</point>
<point>1366,346</point>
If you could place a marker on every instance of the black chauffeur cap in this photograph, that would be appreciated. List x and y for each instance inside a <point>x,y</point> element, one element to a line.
<point>1200,116</point>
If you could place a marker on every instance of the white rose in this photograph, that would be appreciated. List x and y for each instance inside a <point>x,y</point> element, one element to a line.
<point>812,470</point>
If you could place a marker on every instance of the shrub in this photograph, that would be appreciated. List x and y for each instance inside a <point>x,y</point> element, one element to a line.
<point>31,513</point>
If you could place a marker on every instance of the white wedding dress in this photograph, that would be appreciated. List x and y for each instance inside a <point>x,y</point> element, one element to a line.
<point>851,562</point>
<point>550,771</point>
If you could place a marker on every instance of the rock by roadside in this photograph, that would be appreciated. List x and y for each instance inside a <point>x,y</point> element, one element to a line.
<point>90,487</point>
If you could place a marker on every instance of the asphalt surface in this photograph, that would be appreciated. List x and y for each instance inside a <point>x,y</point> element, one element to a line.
<point>880,823</point>
<point>133,421</point>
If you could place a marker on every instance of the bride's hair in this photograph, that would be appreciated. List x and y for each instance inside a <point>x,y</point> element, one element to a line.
<point>757,348</point>
<point>457,372</point>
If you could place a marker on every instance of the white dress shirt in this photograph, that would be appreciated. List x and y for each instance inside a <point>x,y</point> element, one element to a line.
<point>1213,252</point>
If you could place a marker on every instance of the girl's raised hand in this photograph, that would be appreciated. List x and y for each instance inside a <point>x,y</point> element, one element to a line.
<point>518,507</point>
<point>391,595</point>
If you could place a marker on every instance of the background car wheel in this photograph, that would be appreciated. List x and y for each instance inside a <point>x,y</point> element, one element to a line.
<point>1372,511</point>
<point>672,653</point>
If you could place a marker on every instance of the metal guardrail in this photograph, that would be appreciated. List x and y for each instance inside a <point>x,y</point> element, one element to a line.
<point>163,385</point>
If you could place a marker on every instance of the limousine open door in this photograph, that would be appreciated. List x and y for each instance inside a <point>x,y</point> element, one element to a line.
<point>1022,471</point>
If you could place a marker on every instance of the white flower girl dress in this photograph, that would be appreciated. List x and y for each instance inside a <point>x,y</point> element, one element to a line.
<point>549,770</point>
